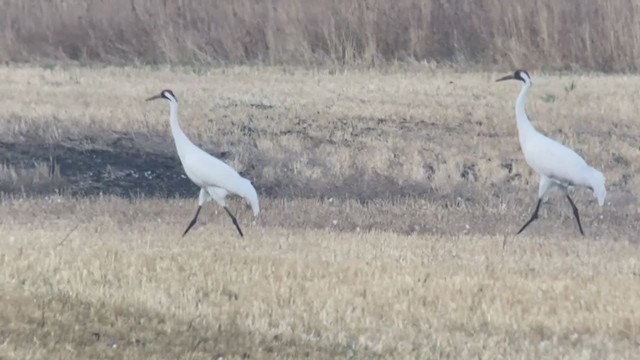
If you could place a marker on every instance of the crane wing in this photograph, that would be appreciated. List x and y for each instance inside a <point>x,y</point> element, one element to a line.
<point>555,160</point>
<point>207,171</point>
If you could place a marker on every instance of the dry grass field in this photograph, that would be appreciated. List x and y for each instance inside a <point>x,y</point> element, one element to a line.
<point>386,194</point>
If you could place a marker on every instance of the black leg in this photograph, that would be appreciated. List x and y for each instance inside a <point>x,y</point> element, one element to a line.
<point>235,222</point>
<point>533,217</point>
<point>193,221</point>
<point>575,213</point>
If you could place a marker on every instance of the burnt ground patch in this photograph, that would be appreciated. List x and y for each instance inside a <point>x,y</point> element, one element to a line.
<point>146,165</point>
<point>88,170</point>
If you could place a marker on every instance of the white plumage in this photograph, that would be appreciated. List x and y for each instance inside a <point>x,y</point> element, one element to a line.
<point>215,178</point>
<point>556,164</point>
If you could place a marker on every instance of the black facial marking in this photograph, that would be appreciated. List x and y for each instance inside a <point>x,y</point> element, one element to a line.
<point>518,75</point>
<point>164,92</point>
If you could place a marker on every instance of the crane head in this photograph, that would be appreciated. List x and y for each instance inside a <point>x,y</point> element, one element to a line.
<point>164,94</point>
<point>521,75</point>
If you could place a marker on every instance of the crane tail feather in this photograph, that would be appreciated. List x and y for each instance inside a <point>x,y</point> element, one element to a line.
<point>597,184</point>
<point>250,194</point>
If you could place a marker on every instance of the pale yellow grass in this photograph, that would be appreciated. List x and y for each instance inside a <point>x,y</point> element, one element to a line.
<point>127,286</point>
<point>386,198</point>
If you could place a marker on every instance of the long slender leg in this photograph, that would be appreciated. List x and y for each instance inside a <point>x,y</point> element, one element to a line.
<point>533,216</point>
<point>543,188</point>
<point>203,197</point>
<point>193,221</point>
<point>235,222</point>
<point>575,213</point>
<point>218,194</point>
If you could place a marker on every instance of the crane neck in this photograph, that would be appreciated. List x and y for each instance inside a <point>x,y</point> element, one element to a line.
<point>524,125</point>
<point>179,136</point>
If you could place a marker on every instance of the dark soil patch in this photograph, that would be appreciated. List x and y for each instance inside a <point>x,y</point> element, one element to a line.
<point>88,170</point>
<point>134,165</point>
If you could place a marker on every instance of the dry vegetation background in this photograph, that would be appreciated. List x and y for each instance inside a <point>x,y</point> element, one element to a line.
<point>388,183</point>
<point>592,34</point>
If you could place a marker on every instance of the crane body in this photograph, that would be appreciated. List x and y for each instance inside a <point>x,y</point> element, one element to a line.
<point>558,165</point>
<point>215,178</point>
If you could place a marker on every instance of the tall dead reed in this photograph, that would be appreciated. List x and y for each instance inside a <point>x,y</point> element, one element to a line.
<point>599,35</point>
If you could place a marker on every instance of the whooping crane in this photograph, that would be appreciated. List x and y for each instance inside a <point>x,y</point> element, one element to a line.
<point>556,164</point>
<point>215,178</point>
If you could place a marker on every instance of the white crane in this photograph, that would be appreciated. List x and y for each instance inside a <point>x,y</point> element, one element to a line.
<point>557,165</point>
<point>215,178</point>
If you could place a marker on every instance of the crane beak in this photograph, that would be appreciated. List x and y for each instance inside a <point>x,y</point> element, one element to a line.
<point>508,77</point>
<point>154,97</point>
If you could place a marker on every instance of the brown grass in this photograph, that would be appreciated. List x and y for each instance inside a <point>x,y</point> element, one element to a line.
<point>124,284</point>
<point>386,200</point>
<point>543,34</point>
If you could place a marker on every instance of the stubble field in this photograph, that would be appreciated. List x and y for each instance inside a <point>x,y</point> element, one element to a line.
<point>387,196</point>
